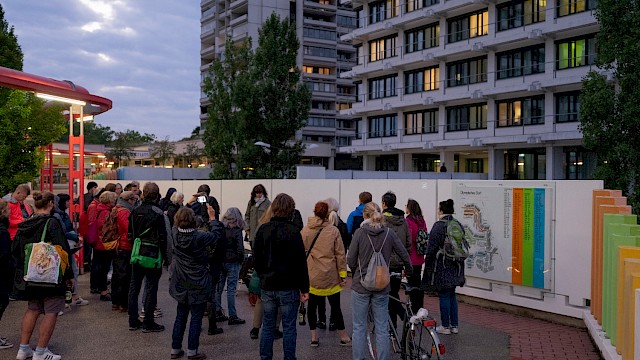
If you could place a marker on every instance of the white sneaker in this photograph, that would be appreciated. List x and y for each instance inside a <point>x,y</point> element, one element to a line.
<point>48,355</point>
<point>81,302</point>
<point>60,313</point>
<point>443,330</point>
<point>454,329</point>
<point>5,344</point>
<point>24,354</point>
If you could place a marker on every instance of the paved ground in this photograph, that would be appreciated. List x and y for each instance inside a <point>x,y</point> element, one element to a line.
<point>95,332</point>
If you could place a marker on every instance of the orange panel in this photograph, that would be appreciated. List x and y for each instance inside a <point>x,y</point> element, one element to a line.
<point>628,260</point>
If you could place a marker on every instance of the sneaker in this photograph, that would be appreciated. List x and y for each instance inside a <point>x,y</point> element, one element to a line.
<point>234,320</point>
<point>220,316</point>
<point>5,344</point>
<point>48,355</point>
<point>321,325</point>
<point>81,302</point>
<point>198,356</point>
<point>443,330</point>
<point>60,313</point>
<point>152,328</point>
<point>178,355</point>
<point>133,326</point>
<point>454,329</point>
<point>24,354</point>
<point>106,297</point>
<point>157,313</point>
<point>215,331</point>
<point>254,333</point>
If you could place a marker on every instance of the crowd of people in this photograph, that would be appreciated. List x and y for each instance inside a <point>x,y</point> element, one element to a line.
<point>133,233</point>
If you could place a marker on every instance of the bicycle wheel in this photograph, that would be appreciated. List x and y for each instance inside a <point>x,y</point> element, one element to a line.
<point>422,343</point>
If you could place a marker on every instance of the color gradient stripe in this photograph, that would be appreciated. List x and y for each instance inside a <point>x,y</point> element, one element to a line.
<point>527,237</point>
<point>538,238</point>
<point>516,237</point>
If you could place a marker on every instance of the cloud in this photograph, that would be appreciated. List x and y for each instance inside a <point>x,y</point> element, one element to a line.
<point>142,54</point>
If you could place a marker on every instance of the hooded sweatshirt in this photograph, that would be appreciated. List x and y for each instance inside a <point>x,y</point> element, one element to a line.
<point>355,217</point>
<point>394,219</point>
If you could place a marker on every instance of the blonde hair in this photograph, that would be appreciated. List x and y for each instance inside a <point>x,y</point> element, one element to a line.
<point>266,217</point>
<point>373,215</point>
<point>334,207</point>
<point>108,197</point>
<point>176,197</point>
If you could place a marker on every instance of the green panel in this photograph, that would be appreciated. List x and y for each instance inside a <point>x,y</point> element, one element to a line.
<point>527,237</point>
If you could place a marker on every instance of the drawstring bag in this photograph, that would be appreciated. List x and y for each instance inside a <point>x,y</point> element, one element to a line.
<point>377,277</point>
<point>44,263</point>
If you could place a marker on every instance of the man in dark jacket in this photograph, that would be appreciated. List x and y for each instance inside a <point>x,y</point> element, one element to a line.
<point>394,219</point>
<point>194,204</point>
<point>150,224</point>
<point>280,260</point>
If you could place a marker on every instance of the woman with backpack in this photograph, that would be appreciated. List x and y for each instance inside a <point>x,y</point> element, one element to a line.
<point>371,240</point>
<point>447,274</point>
<point>416,225</point>
<point>121,278</point>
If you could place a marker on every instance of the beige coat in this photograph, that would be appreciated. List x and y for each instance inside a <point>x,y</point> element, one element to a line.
<point>252,218</point>
<point>327,263</point>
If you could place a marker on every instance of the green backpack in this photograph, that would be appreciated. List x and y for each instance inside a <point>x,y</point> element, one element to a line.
<point>456,247</point>
<point>145,253</point>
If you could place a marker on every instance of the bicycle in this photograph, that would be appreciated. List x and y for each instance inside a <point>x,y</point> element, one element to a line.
<point>419,338</point>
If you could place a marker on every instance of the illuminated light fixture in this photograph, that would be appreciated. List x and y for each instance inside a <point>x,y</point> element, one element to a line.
<point>61,99</point>
<point>101,156</point>
<point>87,118</point>
<point>56,153</point>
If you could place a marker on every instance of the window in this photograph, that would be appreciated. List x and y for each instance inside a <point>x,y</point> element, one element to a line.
<point>316,70</point>
<point>467,117</point>
<point>319,34</point>
<point>359,54</point>
<point>422,80</point>
<point>381,10</point>
<point>382,48</point>
<point>319,51</point>
<point>422,38</point>
<point>413,5</point>
<point>568,7</point>
<point>322,105</point>
<point>347,21</point>
<point>579,163</point>
<point>359,129</point>
<point>520,62</point>
<point>475,165</point>
<point>319,87</point>
<point>576,52</point>
<point>517,112</point>
<point>387,163</point>
<point>421,122</point>
<point>467,72</point>
<point>468,26</point>
<point>383,87</point>
<point>520,12</point>
<point>568,107</point>
<point>382,125</point>
<point>321,122</point>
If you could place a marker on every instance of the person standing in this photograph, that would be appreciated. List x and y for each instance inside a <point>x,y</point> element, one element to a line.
<point>148,223</point>
<point>372,236</point>
<point>416,222</point>
<point>355,217</point>
<point>19,211</point>
<point>102,258</point>
<point>48,300</point>
<point>121,278</point>
<point>7,266</point>
<point>165,201</point>
<point>443,168</point>
<point>327,270</point>
<point>191,284</point>
<point>257,206</point>
<point>279,259</point>
<point>233,257</point>
<point>204,190</point>
<point>175,203</point>
<point>448,273</point>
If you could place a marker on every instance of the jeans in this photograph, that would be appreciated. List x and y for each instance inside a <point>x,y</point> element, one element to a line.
<point>229,274</point>
<point>336,312</point>
<point>195,326</point>
<point>139,273</point>
<point>121,279</point>
<point>448,307</point>
<point>360,308</point>
<point>288,302</point>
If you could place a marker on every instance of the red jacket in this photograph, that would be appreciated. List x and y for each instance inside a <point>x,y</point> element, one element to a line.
<point>102,212</point>
<point>15,216</point>
<point>86,219</point>
<point>123,228</point>
<point>415,224</point>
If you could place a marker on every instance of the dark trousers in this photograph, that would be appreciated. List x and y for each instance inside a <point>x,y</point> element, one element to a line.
<point>87,249</point>
<point>336,311</point>
<point>395,308</point>
<point>4,302</point>
<point>100,266</point>
<point>121,278</point>
<point>195,325</point>
<point>152,277</point>
<point>215,270</point>
<point>417,296</point>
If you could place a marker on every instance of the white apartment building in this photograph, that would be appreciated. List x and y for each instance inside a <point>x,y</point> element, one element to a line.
<point>322,57</point>
<point>484,86</point>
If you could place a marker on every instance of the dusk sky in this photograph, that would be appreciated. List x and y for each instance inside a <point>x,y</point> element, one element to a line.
<point>144,55</point>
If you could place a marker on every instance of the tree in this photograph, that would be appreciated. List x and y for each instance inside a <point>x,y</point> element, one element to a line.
<point>277,105</point>
<point>10,52</point>
<point>26,124</point>
<point>163,150</point>
<point>192,153</point>
<point>226,87</point>
<point>93,133</point>
<point>120,147</point>
<point>610,112</point>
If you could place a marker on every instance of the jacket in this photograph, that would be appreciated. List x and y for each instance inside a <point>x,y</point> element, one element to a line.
<point>355,218</point>
<point>149,216</point>
<point>200,211</point>
<point>360,253</point>
<point>30,231</point>
<point>234,247</point>
<point>7,263</point>
<point>279,257</point>
<point>172,209</point>
<point>326,262</point>
<point>87,221</point>
<point>122,219</point>
<point>394,219</point>
<point>448,273</point>
<point>252,217</point>
<point>193,250</point>
<point>102,212</point>
<point>16,214</point>
<point>415,224</point>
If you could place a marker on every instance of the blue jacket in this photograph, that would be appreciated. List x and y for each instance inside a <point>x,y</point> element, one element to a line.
<point>357,212</point>
<point>448,273</point>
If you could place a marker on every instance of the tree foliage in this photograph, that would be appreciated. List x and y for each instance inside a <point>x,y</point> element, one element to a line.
<point>26,124</point>
<point>610,112</point>
<point>163,150</point>
<point>192,152</point>
<point>123,142</point>
<point>93,133</point>
<point>257,96</point>
<point>10,52</point>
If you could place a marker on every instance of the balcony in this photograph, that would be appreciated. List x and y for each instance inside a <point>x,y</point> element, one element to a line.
<point>239,20</point>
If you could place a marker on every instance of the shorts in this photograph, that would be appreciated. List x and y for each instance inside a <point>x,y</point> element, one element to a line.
<point>50,305</point>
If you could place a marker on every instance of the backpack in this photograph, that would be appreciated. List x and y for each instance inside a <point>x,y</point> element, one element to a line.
<point>44,264</point>
<point>145,253</point>
<point>422,240</point>
<point>110,238</point>
<point>456,247</point>
<point>377,277</point>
